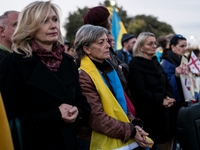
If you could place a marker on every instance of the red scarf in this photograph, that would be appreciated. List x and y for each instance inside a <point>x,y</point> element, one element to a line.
<point>52,59</point>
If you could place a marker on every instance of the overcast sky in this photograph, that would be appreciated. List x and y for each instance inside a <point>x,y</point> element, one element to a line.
<point>182,15</point>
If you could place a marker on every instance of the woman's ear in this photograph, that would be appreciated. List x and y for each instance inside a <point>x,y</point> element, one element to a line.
<point>141,48</point>
<point>86,50</point>
<point>172,47</point>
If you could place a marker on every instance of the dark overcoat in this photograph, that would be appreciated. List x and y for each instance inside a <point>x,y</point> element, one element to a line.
<point>33,93</point>
<point>149,86</point>
<point>3,54</point>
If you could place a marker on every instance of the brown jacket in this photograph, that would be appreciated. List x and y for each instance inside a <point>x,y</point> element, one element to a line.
<point>99,121</point>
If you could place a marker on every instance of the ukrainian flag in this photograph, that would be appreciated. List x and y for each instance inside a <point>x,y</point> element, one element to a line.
<point>159,54</point>
<point>118,29</point>
<point>5,135</point>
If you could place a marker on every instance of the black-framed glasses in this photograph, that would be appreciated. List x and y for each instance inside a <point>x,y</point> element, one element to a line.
<point>178,36</point>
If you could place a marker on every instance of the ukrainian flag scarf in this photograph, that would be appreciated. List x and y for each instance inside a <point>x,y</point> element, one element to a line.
<point>112,107</point>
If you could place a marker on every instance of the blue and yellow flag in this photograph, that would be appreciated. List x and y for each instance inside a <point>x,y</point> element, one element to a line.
<point>118,29</point>
<point>159,54</point>
<point>5,135</point>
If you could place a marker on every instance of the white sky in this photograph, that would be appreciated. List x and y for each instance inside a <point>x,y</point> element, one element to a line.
<point>182,15</point>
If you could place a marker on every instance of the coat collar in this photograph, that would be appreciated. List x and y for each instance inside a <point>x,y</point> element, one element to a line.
<point>145,65</point>
<point>44,79</point>
<point>173,58</point>
<point>21,57</point>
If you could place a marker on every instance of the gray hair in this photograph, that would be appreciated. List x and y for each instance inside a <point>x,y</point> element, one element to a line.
<point>3,22</point>
<point>87,35</point>
<point>140,42</point>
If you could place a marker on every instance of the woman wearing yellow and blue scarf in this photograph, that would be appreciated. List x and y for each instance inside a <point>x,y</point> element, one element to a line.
<point>111,125</point>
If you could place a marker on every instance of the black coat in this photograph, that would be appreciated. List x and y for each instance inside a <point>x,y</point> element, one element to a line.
<point>3,54</point>
<point>33,93</point>
<point>149,86</point>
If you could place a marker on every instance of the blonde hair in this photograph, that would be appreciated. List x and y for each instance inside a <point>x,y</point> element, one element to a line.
<point>140,42</point>
<point>29,21</point>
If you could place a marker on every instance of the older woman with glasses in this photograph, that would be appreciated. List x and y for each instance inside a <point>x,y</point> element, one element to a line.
<point>150,89</point>
<point>111,124</point>
<point>171,64</point>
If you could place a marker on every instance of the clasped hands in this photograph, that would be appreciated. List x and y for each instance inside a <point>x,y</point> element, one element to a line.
<point>168,102</point>
<point>69,113</point>
<point>140,138</point>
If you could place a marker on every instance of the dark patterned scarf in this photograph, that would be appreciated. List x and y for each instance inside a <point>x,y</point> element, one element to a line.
<point>52,59</point>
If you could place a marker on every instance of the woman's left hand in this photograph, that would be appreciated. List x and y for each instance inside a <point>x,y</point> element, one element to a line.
<point>72,115</point>
<point>69,113</point>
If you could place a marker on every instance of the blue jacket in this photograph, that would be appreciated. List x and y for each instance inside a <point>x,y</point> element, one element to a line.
<point>124,56</point>
<point>169,69</point>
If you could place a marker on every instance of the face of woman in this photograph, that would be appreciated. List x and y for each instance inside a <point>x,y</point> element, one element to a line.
<point>47,34</point>
<point>180,48</point>
<point>149,47</point>
<point>71,52</point>
<point>112,40</point>
<point>109,23</point>
<point>99,50</point>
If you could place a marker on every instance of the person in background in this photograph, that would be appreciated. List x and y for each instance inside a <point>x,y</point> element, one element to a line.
<point>126,54</point>
<point>163,43</point>
<point>100,16</point>
<point>169,37</point>
<point>151,92</point>
<point>66,44</point>
<point>171,60</point>
<point>71,51</point>
<point>8,23</point>
<point>39,83</point>
<point>112,40</point>
<point>110,122</point>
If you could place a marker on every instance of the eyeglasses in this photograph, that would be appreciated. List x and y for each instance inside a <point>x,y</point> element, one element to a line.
<point>151,44</point>
<point>178,36</point>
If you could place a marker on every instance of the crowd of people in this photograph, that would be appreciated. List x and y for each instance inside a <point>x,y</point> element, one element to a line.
<point>82,94</point>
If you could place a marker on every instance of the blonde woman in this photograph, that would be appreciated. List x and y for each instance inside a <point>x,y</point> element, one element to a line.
<point>150,89</point>
<point>39,83</point>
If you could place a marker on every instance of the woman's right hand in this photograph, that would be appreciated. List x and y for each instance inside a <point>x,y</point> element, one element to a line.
<point>177,71</point>
<point>168,102</point>
<point>69,113</point>
<point>140,138</point>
